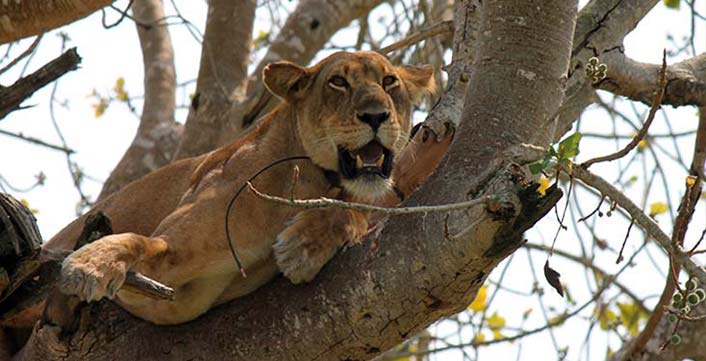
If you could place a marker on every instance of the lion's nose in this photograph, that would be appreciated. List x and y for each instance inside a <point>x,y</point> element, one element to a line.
<point>374,119</point>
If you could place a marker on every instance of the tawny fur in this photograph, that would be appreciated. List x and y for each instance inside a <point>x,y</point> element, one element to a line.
<point>170,224</point>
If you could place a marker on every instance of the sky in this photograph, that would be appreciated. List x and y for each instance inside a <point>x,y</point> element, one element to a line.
<point>109,54</point>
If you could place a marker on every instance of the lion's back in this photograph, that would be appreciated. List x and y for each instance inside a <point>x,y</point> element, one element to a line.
<point>138,207</point>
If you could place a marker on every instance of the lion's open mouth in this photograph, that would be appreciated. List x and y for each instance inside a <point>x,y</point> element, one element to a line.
<point>371,159</point>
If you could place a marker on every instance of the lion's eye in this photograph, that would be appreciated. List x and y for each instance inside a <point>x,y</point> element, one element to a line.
<point>338,82</point>
<point>389,81</point>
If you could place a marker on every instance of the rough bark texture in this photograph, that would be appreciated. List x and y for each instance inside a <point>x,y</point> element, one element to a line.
<point>600,28</point>
<point>19,19</point>
<point>365,302</point>
<point>222,74</point>
<point>11,97</point>
<point>686,80</point>
<point>158,134</point>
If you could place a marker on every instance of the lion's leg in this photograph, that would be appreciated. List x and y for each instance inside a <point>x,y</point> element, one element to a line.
<point>98,269</point>
<point>313,238</point>
<point>190,300</point>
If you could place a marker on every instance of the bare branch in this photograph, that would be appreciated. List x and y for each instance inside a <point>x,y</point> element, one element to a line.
<point>328,202</point>
<point>158,134</point>
<point>686,80</point>
<point>11,97</point>
<point>647,223</point>
<point>222,79</point>
<point>24,54</point>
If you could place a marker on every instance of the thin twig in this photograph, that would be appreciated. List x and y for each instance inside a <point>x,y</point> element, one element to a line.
<point>646,222</point>
<point>625,241</point>
<point>38,142</point>
<point>643,131</point>
<point>434,30</point>
<point>23,55</point>
<point>328,202</point>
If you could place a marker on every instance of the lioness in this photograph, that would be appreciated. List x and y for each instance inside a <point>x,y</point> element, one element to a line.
<point>350,114</point>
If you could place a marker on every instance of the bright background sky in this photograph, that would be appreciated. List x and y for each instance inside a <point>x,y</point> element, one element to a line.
<point>100,142</point>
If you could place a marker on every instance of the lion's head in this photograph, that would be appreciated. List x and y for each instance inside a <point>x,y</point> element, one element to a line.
<point>353,113</point>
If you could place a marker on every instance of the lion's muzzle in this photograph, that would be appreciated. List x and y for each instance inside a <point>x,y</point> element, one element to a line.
<point>373,159</point>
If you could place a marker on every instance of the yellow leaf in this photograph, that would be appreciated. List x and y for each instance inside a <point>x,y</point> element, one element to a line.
<point>26,204</point>
<point>479,337</point>
<point>479,303</point>
<point>543,185</point>
<point>690,181</point>
<point>495,321</point>
<point>119,84</point>
<point>100,107</point>
<point>606,318</point>
<point>630,316</point>
<point>497,335</point>
<point>641,145</point>
<point>556,320</point>
<point>121,95</point>
<point>658,208</point>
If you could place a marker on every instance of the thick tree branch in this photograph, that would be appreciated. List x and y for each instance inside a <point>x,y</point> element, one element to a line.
<point>600,29</point>
<point>686,80</point>
<point>222,79</point>
<point>158,134</point>
<point>19,19</point>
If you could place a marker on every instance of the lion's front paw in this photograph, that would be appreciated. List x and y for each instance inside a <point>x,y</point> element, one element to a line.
<point>298,258</point>
<point>93,272</point>
<point>300,255</point>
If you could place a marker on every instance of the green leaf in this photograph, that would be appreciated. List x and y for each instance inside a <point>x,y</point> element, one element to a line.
<point>536,168</point>
<point>569,147</point>
<point>672,4</point>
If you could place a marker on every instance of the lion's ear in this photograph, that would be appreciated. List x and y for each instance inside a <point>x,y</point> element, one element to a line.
<point>419,81</point>
<point>286,80</point>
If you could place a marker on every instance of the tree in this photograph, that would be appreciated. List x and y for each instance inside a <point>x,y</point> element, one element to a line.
<point>518,76</point>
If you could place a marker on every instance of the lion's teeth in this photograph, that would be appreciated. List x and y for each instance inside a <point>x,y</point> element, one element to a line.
<point>358,162</point>
<point>380,161</point>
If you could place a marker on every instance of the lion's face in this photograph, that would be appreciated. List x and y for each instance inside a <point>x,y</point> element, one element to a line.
<point>353,113</point>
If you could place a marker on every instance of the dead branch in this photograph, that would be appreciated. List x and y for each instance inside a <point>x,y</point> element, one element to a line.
<point>328,202</point>
<point>11,97</point>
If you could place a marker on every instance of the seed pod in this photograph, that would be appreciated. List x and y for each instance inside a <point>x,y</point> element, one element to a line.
<point>692,299</point>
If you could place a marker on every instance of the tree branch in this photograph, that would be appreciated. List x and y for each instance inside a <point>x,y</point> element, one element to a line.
<point>19,19</point>
<point>11,97</point>
<point>222,79</point>
<point>158,134</point>
<point>686,80</point>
